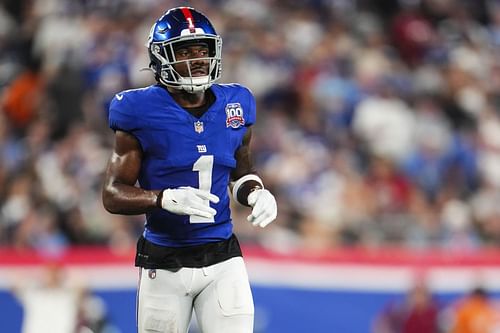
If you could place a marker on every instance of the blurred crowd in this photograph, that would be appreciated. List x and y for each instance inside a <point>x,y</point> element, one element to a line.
<point>378,121</point>
<point>421,312</point>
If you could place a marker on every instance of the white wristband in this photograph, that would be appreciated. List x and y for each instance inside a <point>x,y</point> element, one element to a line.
<point>243,180</point>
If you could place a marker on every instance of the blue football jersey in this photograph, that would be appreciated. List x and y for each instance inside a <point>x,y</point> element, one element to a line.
<point>182,150</point>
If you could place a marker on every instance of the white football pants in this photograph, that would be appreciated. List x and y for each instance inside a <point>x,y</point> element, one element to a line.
<point>219,294</point>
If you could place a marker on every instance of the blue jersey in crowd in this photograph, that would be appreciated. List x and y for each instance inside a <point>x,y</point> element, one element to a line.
<point>182,150</point>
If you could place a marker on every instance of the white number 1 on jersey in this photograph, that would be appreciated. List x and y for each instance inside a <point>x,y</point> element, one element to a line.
<point>204,166</point>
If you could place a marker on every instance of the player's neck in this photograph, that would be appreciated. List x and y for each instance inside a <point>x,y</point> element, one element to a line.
<point>188,100</point>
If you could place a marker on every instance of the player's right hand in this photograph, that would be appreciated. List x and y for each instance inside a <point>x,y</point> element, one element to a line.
<point>189,201</point>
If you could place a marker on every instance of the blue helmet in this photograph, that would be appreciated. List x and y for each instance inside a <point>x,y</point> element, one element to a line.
<point>176,27</point>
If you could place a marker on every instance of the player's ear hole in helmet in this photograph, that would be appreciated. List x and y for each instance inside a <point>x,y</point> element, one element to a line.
<point>183,27</point>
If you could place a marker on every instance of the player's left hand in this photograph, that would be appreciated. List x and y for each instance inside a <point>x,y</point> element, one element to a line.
<point>264,208</point>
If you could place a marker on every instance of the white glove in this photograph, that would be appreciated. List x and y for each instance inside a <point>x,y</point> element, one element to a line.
<point>264,208</point>
<point>189,201</point>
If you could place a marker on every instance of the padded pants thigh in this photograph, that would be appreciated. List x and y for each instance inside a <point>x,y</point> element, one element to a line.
<point>163,306</point>
<point>226,304</point>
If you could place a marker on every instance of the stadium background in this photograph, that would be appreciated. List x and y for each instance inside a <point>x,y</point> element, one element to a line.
<point>378,131</point>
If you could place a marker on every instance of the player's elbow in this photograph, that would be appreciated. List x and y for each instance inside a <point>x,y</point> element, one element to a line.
<point>109,201</point>
<point>110,208</point>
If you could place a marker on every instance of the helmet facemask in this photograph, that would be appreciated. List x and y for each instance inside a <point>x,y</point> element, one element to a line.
<point>163,60</point>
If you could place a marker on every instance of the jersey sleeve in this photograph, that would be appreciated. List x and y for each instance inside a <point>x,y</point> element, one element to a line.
<point>121,114</point>
<point>250,116</point>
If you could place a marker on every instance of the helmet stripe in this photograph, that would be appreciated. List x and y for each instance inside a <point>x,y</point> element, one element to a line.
<point>189,18</point>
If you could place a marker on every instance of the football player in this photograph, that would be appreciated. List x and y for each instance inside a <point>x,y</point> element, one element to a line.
<point>186,140</point>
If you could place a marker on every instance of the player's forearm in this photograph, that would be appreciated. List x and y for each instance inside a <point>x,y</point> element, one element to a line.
<point>128,200</point>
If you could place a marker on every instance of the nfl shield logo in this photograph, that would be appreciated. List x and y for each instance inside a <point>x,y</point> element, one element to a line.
<point>198,126</point>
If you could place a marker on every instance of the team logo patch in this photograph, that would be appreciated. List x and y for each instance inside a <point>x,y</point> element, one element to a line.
<point>201,148</point>
<point>198,126</point>
<point>234,115</point>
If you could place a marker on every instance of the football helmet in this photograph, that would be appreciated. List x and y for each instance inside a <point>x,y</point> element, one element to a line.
<point>180,26</point>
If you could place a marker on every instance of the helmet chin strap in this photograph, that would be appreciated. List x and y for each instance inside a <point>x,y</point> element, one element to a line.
<point>195,84</point>
<point>188,84</point>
